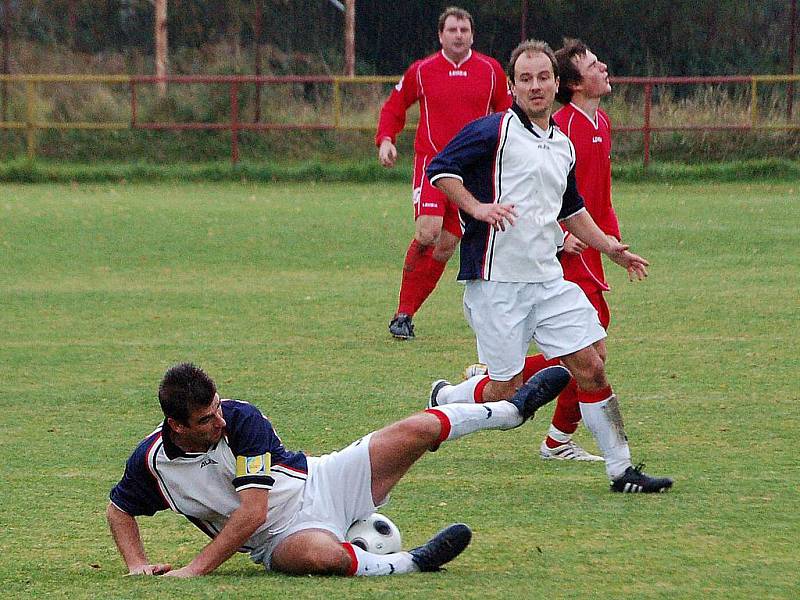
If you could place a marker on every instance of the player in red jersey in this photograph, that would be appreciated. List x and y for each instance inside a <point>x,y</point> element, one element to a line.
<point>453,87</point>
<point>584,82</point>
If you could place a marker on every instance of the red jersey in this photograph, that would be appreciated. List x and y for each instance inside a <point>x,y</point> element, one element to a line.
<point>592,141</point>
<point>450,95</point>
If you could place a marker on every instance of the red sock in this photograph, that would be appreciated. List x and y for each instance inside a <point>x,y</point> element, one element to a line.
<point>595,396</point>
<point>567,414</point>
<point>430,273</point>
<point>478,394</point>
<point>414,275</point>
<point>535,363</point>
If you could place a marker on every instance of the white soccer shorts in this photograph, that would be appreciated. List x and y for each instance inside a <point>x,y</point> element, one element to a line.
<point>338,492</point>
<point>507,316</point>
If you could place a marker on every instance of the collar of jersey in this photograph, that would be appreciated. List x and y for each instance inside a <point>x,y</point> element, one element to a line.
<point>526,122</point>
<point>172,450</point>
<point>454,63</point>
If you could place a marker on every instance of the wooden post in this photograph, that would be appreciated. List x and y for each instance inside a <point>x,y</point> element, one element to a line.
<point>257,35</point>
<point>350,38</point>
<point>792,50</point>
<point>161,49</point>
<point>6,57</point>
<point>523,21</point>
<point>648,102</point>
<point>234,122</point>
<point>30,118</point>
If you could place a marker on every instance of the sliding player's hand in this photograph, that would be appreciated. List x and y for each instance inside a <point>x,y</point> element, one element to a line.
<point>157,569</point>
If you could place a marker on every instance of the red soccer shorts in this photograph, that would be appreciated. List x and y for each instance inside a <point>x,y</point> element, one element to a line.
<point>598,300</point>
<point>428,200</point>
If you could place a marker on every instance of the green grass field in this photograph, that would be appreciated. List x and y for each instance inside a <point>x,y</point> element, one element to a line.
<point>283,293</point>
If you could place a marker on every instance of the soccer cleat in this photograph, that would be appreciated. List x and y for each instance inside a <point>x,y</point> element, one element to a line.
<point>567,451</point>
<point>475,370</point>
<point>441,548</point>
<point>401,327</point>
<point>436,387</point>
<point>633,481</point>
<point>540,389</point>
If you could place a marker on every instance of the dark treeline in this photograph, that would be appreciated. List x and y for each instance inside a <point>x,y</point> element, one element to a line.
<point>639,37</point>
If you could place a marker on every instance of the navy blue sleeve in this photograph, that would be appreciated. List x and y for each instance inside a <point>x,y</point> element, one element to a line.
<point>571,201</point>
<point>475,143</point>
<point>255,445</point>
<point>137,492</point>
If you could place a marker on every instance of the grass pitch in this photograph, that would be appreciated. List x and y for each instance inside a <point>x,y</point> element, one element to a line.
<point>283,293</point>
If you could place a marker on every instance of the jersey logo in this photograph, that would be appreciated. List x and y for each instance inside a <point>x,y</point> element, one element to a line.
<point>208,461</point>
<point>458,73</point>
<point>252,465</point>
<point>597,139</point>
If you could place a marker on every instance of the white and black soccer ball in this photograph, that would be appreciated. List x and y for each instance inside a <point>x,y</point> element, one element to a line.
<point>376,534</point>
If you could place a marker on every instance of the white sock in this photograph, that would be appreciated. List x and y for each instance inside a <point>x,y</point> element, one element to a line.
<point>469,418</point>
<point>459,393</point>
<point>372,565</point>
<point>558,435</point>
<point>604,420</point>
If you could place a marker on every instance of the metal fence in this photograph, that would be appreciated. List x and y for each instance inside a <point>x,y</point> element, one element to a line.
<point>336,118</point>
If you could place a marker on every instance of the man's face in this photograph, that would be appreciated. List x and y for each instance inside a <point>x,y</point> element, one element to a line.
<point>594,76</point>
<point>204,427</point>
<point>534,85</point>
<point>456,37</point>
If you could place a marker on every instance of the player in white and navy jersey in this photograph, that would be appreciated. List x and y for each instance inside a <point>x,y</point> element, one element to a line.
<point>221,465</point>
<point>512,176</point>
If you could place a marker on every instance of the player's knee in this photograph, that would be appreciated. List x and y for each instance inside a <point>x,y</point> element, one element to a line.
<point>426,237</point>
<point>499,390</point>
<point>427,231</point>
<point>444,250</point>
<point>422,428</point>
<point>592,374</point>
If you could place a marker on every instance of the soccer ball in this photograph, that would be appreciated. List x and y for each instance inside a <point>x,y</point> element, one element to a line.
<point>376,534</point>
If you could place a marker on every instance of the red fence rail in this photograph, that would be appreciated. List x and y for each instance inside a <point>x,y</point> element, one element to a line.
<point>235,124</point>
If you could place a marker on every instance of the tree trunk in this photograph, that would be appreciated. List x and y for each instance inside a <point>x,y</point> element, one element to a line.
<point>234,35</point>
<point>350,38</point>
<point>257,51</point>
<point>72,23</point>
<point>161,49</point>
<point>6,57</point>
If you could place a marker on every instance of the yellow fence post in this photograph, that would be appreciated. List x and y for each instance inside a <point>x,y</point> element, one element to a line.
<point>30,117</point>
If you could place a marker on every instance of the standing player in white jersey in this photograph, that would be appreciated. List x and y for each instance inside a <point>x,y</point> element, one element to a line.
<point>453,87</point>
<point>512,176</point>
<point>221,465</point>
<point>583,83</point>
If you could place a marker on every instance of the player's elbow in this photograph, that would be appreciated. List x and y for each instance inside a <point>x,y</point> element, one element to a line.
<point>253,510</point>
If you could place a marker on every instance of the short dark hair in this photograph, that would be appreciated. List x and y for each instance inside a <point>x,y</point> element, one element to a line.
<point>458,13</point>
<point>570,76</point>
<point>184,389</point>
<point>531,47</point>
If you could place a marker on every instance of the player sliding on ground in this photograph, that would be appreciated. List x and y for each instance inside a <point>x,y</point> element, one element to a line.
<point>221,464</point>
